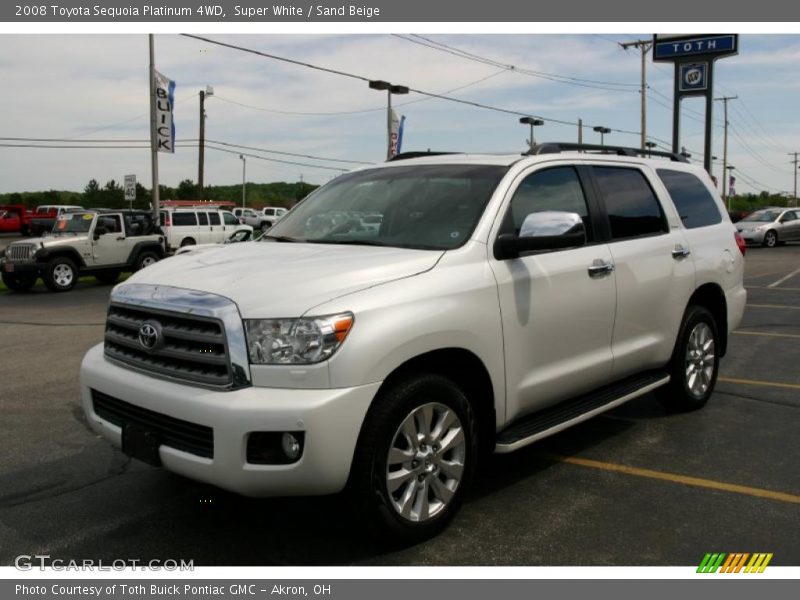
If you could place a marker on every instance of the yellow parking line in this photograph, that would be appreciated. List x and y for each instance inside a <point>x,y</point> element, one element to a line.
<point>676,478</point>
<point>774,306</point>
<point>791,386</point>
<point>768,334</point>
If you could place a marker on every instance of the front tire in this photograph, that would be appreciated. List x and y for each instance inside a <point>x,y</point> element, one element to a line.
<point>770,239</point>
<point>695,362</point>
<point>60,275</point>
<point>147,258</point>
<point>17,282</point>
<point>415,458</point>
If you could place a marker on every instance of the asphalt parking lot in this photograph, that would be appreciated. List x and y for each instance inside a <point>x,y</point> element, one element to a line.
<point>636,486</point>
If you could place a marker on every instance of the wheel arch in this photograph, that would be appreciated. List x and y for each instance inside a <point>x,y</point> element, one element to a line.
<point>469,373</point>
<point>69,253</point>
<point>711,297</point>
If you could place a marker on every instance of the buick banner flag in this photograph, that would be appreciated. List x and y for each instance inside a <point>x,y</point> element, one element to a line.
<point>165,126</point>
<point>396,136</point>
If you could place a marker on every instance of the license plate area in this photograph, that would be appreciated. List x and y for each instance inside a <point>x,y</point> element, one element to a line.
<point>141,443</point>
<point>8,267</point>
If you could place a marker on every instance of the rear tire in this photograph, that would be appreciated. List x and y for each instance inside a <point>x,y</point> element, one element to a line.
<point>147,258</point>
<point>60,274</point>
<point>770,239</point>
<point>694,365</point>
<point>18,282</point>
<point>187,242</point>
<point>415,458</point>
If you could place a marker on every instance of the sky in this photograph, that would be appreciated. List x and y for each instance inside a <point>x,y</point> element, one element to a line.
<point>82,87</point>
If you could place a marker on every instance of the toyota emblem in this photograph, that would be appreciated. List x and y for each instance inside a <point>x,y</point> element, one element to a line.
<point>149,335</point>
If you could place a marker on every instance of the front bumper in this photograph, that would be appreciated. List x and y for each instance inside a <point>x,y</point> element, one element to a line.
<point>753,236</point>
<point>20,268</point>
<point>330,418</point>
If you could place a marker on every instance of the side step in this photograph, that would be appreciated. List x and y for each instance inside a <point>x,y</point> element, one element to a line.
<point>553,419</point>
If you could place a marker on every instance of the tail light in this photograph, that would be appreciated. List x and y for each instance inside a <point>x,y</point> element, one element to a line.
<point>740,242</point>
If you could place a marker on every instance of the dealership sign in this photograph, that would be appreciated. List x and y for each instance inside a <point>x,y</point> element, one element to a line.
<point>165,126</point>
<point>693,77</point>
<point>671,48</point>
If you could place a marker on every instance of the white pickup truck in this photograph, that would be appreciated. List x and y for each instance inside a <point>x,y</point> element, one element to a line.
<point>500,300</point>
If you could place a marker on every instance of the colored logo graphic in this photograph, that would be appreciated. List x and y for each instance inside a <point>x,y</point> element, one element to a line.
<point>734,563</point>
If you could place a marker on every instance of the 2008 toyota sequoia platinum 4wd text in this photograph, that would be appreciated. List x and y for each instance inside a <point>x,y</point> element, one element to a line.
<point>501,300</point>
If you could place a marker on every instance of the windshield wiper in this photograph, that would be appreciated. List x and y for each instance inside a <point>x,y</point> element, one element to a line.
<point>280,238</point>
<point>348,242</point>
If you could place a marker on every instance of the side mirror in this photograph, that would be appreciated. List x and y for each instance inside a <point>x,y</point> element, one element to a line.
<point>541,231</point>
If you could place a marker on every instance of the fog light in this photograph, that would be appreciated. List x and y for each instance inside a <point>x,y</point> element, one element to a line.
<point>290,446</point>
<point>274,447</point>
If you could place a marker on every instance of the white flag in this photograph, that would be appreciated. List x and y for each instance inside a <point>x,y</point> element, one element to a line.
<point>394,139</point>
<point>165,126</point>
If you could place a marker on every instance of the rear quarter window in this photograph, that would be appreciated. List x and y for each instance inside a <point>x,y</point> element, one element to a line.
<point>183,218</point>
<point>632,206</point>
<point>695,204</point>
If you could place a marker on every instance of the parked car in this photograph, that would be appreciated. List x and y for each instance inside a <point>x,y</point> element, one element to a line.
<point>241,235</point>
<point>501,300</point>
<point>190,226</point>
<point>770,226</point>
<point>98,243</point>
<point>44,217</point>
<point>273,214</point>
<point>9,221</point>
<point>254,218</point>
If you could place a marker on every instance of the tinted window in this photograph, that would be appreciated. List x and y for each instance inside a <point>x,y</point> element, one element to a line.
<point>213,218</point>
<point>632,207</point>
<point>556,189</point>
<point>230,219</point>
<point>202,218</point>
<point>696,206</point>
<point>184,218</point>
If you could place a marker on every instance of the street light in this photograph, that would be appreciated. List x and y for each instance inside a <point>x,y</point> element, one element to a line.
<point>379,84</point>
<point>533,123</point>
<point>209,91</point>
<point>650,146</point>
<point>244,166</point>
<point>602,131</point>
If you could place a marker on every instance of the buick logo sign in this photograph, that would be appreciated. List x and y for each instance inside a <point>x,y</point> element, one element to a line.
<point>150,335</point>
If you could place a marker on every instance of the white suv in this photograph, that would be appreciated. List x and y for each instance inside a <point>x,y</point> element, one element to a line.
<point>500,300</point>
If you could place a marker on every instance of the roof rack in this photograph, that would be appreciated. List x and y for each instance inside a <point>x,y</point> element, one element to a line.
<point>558,147</point>
<point>418,154</point>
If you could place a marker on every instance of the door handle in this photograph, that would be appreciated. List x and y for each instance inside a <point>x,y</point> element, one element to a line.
<point>120,239</point>
<point>680,252</point>
<point>600,268</point>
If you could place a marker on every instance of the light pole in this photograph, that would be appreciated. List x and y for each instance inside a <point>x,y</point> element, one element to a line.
<point>602,131</point>
<point>379,84</point>
<point>533,123</point>
<point>209,91</point>
<point>244,166</point>
<point>650,146</point>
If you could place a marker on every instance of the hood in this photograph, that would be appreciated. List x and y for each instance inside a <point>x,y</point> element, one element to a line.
<point>48,241</point>
<point>272,280</point>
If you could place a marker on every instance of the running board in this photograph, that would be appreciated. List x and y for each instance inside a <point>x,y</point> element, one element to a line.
<point>556,418</point>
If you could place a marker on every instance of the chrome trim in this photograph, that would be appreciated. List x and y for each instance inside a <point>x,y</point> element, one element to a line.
<point>193,302</point>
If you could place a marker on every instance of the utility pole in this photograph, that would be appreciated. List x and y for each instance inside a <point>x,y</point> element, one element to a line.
<point>644,47</point>
<point>209,91</point>
<point>153,146</point>
<point>725,175</point>
<point>795,174</point>
<point>580,131</point>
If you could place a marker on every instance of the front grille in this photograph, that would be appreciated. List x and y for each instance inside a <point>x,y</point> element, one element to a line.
<point>20,252</point>
<point>191,348</point>
<point>175,433</point>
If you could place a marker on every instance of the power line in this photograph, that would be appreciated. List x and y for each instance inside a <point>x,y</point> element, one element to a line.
<point>277,160</point>
<point>342,160</point>
<point>590,83</point>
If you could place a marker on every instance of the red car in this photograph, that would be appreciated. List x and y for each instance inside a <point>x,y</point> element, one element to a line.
<point>10,221</point>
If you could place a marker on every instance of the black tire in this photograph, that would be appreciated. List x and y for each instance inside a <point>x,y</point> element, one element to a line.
<point>369,476</point>
<point>187,242</point>
<point>19,282</point>
<point>691,384</point>
<point>770,239</point>
<point>147,258</point>
<point>108,277</point>
<point>60,274</point>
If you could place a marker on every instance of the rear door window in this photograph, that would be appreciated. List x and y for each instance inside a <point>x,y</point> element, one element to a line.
<point>696,206</point>
<point>202,218</point>
<point>632,207</point>
<point>213,218</point>
<point>184,218</point>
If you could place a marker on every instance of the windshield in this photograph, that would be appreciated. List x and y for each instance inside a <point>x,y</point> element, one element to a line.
<point>73,223</point>
<point>764,216</point>
<point>430,207</point>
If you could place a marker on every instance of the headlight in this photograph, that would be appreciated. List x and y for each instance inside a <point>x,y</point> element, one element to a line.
<point>296,341</point>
